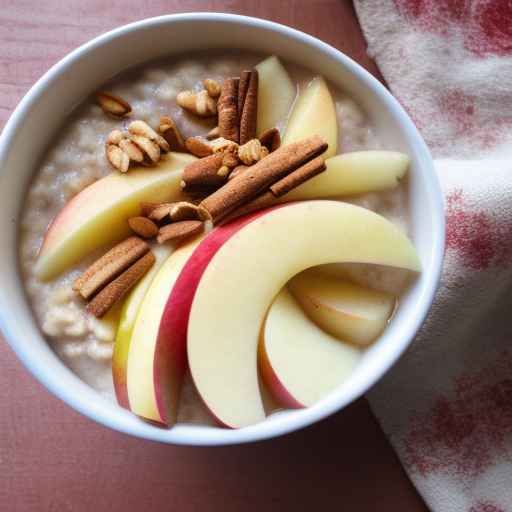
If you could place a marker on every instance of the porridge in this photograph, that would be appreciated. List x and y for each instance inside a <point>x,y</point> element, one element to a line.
<point>92,143</point>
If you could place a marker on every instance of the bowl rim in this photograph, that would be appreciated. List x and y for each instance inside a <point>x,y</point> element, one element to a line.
<point>310,416</point>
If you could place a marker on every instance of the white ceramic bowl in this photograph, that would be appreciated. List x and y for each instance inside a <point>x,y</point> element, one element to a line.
<point>44,109</point>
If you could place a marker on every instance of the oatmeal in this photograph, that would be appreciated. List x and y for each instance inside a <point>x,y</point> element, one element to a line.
<point>77,159</point>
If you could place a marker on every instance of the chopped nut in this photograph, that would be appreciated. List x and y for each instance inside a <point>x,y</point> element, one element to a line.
<point>115,137</point>
<point>271,139</point>
<point>214,133</point>
<point>171,134</point>
<point>184,211</point>
<point>198,146</point>
<point>132,150</point>
<point>252,152</point>
<point>140,128</point>
<point>178,231</point>
<point>150,148</point>
<point>199,103</point>
<point>146,208</point>
<point>222,144</point>
<point>223,171</point>
<point>230,159</point>
<point>143,227</point>
<point>112,105</point>
<point>212,87</point>
<point>117,158</point>
<point>161,211</point>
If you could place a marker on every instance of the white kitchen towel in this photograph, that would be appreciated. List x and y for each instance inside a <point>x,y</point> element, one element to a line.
<point>447,405</point>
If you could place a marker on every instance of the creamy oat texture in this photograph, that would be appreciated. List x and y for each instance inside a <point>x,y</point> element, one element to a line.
<point>77,158</point>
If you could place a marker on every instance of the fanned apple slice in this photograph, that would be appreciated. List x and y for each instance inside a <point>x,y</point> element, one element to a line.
<point>300,363</point>
<point>347,311</point>
<point>127,320</point>
<point>97,215</point>
<point>244,276</point>
<point>354,173</point>
<point>276,93</point>
<point>146,333</point>
<point>314,113</point>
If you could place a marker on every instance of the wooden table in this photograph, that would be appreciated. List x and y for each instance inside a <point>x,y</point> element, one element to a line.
<point>53,459</point>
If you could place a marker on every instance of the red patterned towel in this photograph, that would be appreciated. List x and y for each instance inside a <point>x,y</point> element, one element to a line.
<point>447,405</point>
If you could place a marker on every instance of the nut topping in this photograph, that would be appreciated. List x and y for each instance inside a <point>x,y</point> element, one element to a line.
<point>184,211</point>
<point>198,146</point>
<point>142,129</point>
<point>117,158</point>
<point>178,231</point>
<point>271,139</point>
<point>200,103</point>
<point>112,105</point>
<point>252,152</point>
<point>171,134</point>
<point>143,227</point>
<point>212,87</point>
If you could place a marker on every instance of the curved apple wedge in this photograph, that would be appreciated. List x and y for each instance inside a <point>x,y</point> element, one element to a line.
<point>147,334</point>
<point>354,173</point>
<point>127,321</point>
<point>300,363</point>
<point>314,113</point>
<point>98,214</point>
<point>276,93</point>
<point>346,311</point>
<point>248,271</point>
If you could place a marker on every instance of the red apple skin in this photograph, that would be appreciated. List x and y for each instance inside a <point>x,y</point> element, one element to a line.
<point>170,360</point>
<point>272,381</point>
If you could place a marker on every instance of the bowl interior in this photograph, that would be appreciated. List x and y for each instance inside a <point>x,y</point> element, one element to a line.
<point>82,72</point>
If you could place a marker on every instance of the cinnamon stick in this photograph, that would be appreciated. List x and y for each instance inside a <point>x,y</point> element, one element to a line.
<point>261,175</point>
<point>203,172</point>
<point>298,177</point>
<point>120,286</point>
<point>248,105</point>
<point>227,108</point>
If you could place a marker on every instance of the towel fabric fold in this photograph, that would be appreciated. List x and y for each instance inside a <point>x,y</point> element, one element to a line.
<point>447,405</point>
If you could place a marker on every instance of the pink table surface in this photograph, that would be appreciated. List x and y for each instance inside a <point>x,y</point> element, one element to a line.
<point>53,459</point>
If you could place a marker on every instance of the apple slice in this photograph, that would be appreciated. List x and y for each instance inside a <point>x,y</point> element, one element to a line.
<point>276,93</point>
<point>98,214</point>
<point>172,345</point>
<point>248,271</point>
<point>300,363</point>
<point>146,332</point>
<point>314,113</point>
<point>354,173</point>
<point>127,320</point>
<point>344,310</point>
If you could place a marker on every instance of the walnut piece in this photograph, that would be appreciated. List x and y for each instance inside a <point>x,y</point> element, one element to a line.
<point>199,103</point>
<point>252,152</point>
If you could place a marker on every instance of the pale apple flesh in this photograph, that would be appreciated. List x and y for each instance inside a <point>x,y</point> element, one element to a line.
<point>300,363</point>
<point>246,273</point>
<point>127,319</point>
<point>314,113</point>
<point>146,332</point>
<point>276,93</point>
<point>354,173</point>
<point>98,214</point>
<point>347,311</point>
<point>172,340</point>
